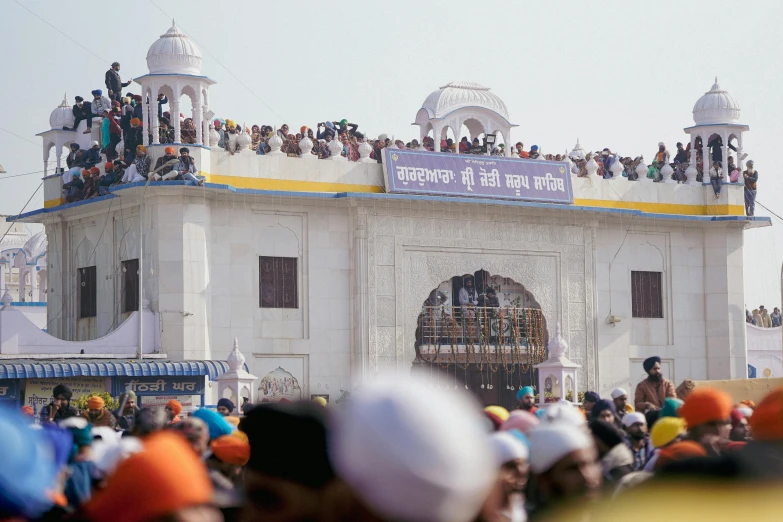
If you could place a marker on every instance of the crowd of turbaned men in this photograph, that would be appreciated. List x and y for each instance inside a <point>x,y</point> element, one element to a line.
<point>399,449</point>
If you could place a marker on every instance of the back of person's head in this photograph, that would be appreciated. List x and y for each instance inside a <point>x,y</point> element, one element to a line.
<point>411,452</point>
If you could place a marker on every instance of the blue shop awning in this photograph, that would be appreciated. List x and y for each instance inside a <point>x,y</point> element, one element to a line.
<point>46,369</point>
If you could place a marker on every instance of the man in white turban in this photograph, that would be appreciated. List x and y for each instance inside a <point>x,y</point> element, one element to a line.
<point>620,398</point>
<point>564,461</point>
<point>512,457</point>
<point>411,453</point>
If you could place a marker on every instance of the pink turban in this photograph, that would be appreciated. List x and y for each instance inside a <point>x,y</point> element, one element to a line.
<point>520,420</point>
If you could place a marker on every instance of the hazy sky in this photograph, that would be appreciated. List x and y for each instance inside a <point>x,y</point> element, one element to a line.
<point>616,74</point>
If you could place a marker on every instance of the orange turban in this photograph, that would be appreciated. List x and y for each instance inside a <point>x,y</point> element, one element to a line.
<point>135,121</point>
<point>303,130</point>
<point>706,405</point>
<point>747,402</point>
<point>165,477</point>
<point>109,166</point>
<point>169,150</point>
<point>767,418</point>
<point>231,450</point>
<point>27,410</point>
<point>234,421</point>
<point>682,450</point>
<point>95,170</point>
<point>85,172</point>
<point>95,403</point>
<point>140,148</point>
<point>175,406</point>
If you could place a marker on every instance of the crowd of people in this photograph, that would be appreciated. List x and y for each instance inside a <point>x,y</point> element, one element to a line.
<point>398,450</point>
<point>121,142</point>
<point>762,318</point>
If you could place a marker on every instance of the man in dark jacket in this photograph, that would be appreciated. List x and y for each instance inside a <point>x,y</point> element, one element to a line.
<point>73,190</point>
<point>92,157</point>
<point>114,83</point>
<point>60,408</point>
<point>127,414</point>
<point>82,111</point>
<point>74,158</point>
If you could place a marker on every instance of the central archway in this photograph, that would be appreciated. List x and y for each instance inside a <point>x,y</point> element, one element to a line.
<point>481,332</point>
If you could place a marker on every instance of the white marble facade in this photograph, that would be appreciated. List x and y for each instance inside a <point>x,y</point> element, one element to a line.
<point>365,266</point>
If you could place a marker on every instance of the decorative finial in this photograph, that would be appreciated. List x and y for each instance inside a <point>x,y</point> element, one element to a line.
<point>6,299</point>
<point>172,21</point>
<point>235,359</point>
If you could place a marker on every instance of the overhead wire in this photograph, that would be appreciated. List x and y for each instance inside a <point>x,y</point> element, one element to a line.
<point>23,174</point>
<point>12,133</point>
<point>22,211</point>
<point>17,2</point>
<point>202,47</point>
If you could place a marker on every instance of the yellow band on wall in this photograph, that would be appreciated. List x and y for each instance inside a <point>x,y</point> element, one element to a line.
<point>665,208</point>
<point>319,186</point>
<point>289,185</point>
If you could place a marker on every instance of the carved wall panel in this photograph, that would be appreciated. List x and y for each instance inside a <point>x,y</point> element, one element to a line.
<point>410,252</point>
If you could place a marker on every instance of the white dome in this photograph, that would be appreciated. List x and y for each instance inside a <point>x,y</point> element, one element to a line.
<point>457,95</point>
<point>174,53</point>
<point>35,246</point>
<point>716,106</point>
<point>62,116</point>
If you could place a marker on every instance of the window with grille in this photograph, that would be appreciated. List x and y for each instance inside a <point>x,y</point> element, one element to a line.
<point>277,280</point>
<point>646,295</point>
<point>88,292</point>
<point>130,285</point>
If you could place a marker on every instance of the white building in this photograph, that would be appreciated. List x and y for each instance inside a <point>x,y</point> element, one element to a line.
<point>23,275</point>
<point>324,277</point>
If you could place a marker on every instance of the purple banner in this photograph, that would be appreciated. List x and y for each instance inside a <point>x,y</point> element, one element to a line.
<point>446,174</point>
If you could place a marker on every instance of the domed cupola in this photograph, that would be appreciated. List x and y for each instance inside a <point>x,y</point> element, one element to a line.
<point>174,53</point>
<point>457,95</point>
<point>61,116</point>
<point>464,103</point>
<point>716,106</point>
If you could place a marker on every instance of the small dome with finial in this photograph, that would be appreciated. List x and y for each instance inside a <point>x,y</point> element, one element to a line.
<point>62,116</point>
<point>716,106</point>
<point>174,53</point>
<point>558,346</point>
<point>235,359</point>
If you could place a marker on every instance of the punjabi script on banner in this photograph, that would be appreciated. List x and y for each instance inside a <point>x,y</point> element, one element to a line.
<point>38,392</point>
<point>477,176</point>
<point>163,386</point>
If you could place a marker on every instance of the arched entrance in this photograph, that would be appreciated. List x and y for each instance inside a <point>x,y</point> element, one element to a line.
<point>481,332</point>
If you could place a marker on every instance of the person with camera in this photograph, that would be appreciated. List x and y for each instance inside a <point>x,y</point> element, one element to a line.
<point>60,408</point>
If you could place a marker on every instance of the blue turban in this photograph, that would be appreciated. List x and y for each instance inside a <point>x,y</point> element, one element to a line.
<point>97,92</point>
<point>215,422</point>
<point>670,407</point>
<point>650,362</point>
<point>330,125</point>
<point>602,405</point>
<point>226,404</point>
<point>527,390</point>
<point>61,441</point>
<point>533,148</point>
<point>27,471</point>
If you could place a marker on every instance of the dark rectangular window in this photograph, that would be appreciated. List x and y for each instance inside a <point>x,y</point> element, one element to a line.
<point>88,292</point>
<point>646,295</point>
<point>277,280</point>
<point>130,285</point>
